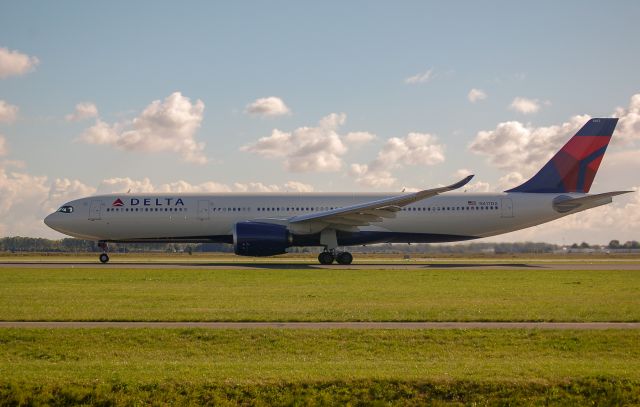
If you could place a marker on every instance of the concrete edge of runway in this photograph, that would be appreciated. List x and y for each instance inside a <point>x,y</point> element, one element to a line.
<point>320,325</point>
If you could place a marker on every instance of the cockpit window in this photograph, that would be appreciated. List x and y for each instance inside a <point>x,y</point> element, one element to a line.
<point>66,209</point>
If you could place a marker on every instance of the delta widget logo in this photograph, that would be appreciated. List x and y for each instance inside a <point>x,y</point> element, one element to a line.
<point>117,202</point>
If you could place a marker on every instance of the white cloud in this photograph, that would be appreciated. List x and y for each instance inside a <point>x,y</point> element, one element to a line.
<point>511,180</point>
<point>163,126</point>
<point>359,138</point>
<point>25,199</point>
<point>414,149</point>
<point>305,149</point>
<point>478,186</point>
<point>371,176</point>
<point>475,95</point>
<point>14,63</point>
<point>21,199</point>
<point>332,121</point>
<point>295,186</point>
<point>63,190</point>
<point>524,105</point>
<point>4,150</point>
<point>84,110</point>
<point>461,173</point>
<point>628,128</point>
<point>516,147</point>
<point>618,170</point>
<point>268,107</point>
<point>126,184</point>
<point>291,186</point>
<point>522,149</point>
<point>8,113</point>
<point>421,77</point>
<point>255,187</point>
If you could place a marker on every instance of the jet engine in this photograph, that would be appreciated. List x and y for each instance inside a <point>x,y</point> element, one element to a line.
<point>260,239</point>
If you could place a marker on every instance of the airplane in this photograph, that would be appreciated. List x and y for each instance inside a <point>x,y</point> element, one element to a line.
<point>261,224</point>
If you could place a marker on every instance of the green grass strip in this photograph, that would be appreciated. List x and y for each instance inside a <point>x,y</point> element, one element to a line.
<point>600,391</point>
<point>322,367</point>
<point>534,294</point>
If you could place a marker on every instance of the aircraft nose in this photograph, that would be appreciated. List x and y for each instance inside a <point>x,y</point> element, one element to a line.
<point>50,221</point>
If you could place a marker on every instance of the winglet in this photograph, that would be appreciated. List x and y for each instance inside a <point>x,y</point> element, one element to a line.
<point>461,183</point>
<point>431,192</point>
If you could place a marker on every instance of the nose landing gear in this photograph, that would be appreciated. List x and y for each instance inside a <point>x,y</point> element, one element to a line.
<point>104,257</point>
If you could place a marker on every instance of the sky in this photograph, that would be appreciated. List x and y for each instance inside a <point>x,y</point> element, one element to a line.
<point>201,96</point>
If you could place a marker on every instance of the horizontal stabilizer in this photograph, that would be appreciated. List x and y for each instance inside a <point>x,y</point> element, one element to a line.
<point>564,204</point>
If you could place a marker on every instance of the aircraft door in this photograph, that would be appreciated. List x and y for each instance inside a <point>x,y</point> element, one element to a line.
<point>203,210</point>
<point>95,210</point>
<point>507,208</point>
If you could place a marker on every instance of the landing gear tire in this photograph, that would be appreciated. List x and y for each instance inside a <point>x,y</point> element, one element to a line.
<point>326,258</point>
<point>104,257</point>
<point>344,258</point>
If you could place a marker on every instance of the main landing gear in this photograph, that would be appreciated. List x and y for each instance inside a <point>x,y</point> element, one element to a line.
<point>104,257</point>
<point>329,256</point>
<point>329,239</point>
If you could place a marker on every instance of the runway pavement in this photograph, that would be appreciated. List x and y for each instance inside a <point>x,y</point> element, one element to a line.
<point>327,325</point>
<point>467,264</point>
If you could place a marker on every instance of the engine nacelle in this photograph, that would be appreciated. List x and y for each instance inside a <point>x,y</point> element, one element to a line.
<point>260,239</point>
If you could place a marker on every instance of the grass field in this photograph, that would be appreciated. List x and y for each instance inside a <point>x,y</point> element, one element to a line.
<point>318,366</point>
<point>319,295</point>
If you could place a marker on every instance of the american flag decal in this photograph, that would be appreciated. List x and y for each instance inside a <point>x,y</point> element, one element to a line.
<point>471,203</point>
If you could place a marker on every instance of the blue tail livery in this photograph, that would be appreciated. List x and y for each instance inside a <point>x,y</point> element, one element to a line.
<point>574,167</point>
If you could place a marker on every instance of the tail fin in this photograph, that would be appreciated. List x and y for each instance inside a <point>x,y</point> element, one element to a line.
<point>573,168</point>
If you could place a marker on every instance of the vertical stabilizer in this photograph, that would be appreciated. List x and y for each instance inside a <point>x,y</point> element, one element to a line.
<point>574,167</point>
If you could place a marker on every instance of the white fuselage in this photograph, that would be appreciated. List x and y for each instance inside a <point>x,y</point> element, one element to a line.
<point>211,217</point>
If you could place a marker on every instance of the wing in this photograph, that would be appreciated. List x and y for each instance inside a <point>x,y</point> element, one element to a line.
<point>375,211</point>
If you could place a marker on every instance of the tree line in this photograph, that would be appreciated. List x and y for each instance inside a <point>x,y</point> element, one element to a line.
<point>69,245</point>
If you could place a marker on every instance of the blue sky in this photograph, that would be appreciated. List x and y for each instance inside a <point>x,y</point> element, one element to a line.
<point>351,58</point>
